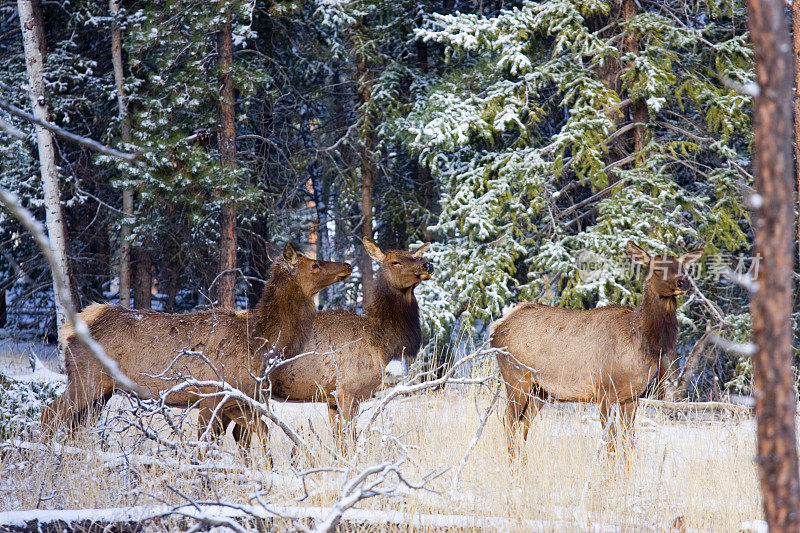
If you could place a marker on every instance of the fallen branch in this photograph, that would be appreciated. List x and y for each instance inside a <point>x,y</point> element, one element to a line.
<point>695,407</point>
<point>34,520</point>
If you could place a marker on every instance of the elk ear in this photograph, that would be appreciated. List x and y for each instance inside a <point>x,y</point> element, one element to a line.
<point>421,250</point>
<point>690,257</point>
<point>373,250</point>
<point>290,254</point>
<point>637,253</point>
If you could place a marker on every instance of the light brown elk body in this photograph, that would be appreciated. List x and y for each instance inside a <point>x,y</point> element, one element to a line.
<point>159,350</point>
<point>348,352</point>
<point>606,355</point>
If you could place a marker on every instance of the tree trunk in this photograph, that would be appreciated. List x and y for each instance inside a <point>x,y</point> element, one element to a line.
<point>796,35</point>
<point>36,7</point>
<point>3,309</point>
<point>324,242</point>
<point>125,129</point>
<point>173,285</point>
<point>226,284</point>
<point>143,277</point>
<point>771,306</point>
<point>367,180</point>
<point>32,32</point>
<point>426,192</point>
<point>639,113</point>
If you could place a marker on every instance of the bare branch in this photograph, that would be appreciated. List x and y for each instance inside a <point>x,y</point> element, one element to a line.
<point>745,281</point>
<point>12,130</point>
<point>83,141</point>
<point>748,89</point>
<point>34,227</point>
<point>747,349</point>
<point>477,435</point>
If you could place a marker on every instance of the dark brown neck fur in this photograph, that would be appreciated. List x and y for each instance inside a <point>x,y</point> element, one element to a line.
<point>284,315</point>
<point>394,316</point>
<point>657,320</point>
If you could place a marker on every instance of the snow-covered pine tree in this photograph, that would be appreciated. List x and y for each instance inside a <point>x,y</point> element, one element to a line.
<point>183,187</point>
<point>518,130</point>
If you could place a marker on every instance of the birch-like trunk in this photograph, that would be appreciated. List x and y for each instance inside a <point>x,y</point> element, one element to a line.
<point>125,129</point>
<point>32,32</point>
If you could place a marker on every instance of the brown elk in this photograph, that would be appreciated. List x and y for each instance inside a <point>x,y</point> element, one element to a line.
<point>158,350</point>
<point>605,355</point>
<point>348,352</point>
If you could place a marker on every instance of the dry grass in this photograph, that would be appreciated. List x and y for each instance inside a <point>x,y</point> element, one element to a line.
<point>702,470</point>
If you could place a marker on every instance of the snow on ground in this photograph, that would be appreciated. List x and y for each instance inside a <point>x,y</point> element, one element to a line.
<point>15,347</point>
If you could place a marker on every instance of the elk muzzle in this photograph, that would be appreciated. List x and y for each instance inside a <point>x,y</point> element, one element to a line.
<point>427,270</point>
<point>346,274</point>
<point>683,286</point>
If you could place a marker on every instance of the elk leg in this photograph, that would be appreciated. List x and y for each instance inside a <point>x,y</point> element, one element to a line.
<point>72,408</point>
<point>349,414</point>
<point>336,424</point>
<point>248,424</point>
<point>607,423</point>
<point>343,422</point>
<point>628,419</point>
<point>216,426</point>
<point>531,410</point>
<point>515,409</point>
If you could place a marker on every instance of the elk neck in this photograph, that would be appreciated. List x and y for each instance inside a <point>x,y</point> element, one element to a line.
<point>394,316</point>
<point>656,322</point>
<point>284,314</point>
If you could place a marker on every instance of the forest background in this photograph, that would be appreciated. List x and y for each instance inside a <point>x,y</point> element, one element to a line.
<point>527,141</point>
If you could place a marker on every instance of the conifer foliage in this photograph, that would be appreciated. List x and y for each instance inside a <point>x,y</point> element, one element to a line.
<point>528,140</point>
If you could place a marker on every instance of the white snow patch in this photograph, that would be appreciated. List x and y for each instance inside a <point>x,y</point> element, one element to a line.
<point>754,526</point>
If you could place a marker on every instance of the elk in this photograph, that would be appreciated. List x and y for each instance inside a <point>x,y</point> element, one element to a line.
<point>159,351</point>
<point>347,353</point>
<point>605,355</point>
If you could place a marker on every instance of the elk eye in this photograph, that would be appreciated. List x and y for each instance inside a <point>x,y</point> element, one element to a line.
<point>395,262</point>
<point>315,266</point>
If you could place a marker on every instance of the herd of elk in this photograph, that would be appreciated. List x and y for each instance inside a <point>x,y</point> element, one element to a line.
<point>605,355</point>
<point>159,350</point>
<point>344,360</point>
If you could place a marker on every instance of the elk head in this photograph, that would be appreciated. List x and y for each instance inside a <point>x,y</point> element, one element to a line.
<point>667,275</point>
<point>313,275</point>
<point>402,270</point>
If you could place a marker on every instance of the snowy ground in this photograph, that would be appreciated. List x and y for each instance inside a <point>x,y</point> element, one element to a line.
<point>701,470</point>
<point>10,346</point>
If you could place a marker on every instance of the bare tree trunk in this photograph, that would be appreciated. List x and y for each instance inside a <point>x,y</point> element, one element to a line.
<point>36,7</point>
<point>3,309</point>
<point>796,35</point>
<point>639,111</point>
<point>32,33</point>
<point>143,277</point>
<point>677,389</point>
<point>226,285</point>
<point>125,128</point>
<point>771,305</point>
<point>324,244</point>
<point>426,192</point>
<point>367,181</point>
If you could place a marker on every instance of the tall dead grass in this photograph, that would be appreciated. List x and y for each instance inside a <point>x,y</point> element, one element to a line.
<point>702,470</point>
